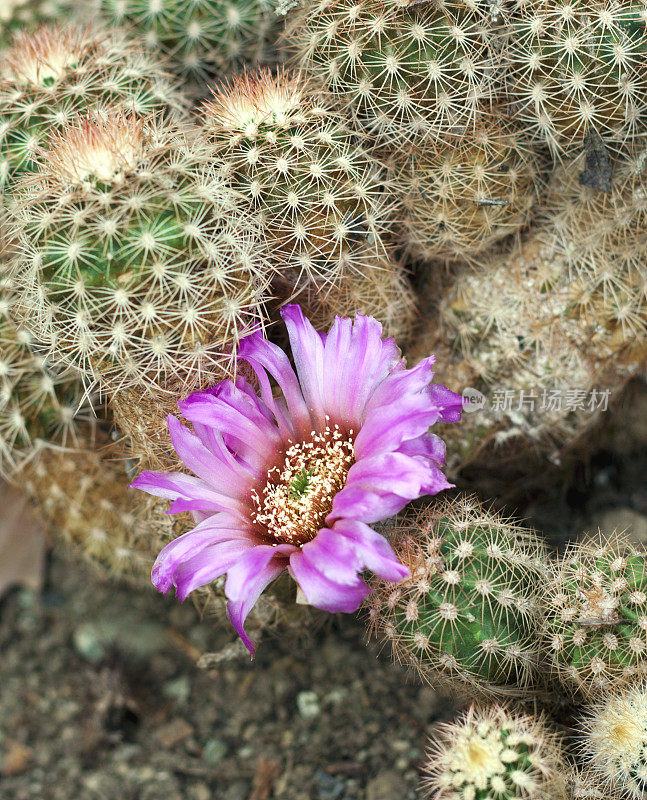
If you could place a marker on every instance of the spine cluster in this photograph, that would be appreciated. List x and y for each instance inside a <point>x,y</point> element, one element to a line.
<point>468,613</point>
<point>495,753</point>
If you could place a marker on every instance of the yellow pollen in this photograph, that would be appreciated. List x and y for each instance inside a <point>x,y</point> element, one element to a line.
<point>299,492</point>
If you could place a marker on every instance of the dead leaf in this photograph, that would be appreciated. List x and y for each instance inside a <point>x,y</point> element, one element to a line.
<point>22,542</point>
<point>267,773</point>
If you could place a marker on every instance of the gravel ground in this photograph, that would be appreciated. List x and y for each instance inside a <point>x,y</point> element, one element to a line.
<point>101,696</point>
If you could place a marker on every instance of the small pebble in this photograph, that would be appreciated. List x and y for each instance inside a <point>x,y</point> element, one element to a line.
<point>386,785</point>
<point>178,688</point>
<point>173,732</point>
<point>330,788</point>
<point>17,758</point>
<point>214,750</point>
<point>201,792</point>
<point>87,644</point>
<point>308,705</point>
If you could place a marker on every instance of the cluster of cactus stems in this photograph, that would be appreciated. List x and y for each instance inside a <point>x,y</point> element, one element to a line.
<point>56,75</point>
<point>488,614</point>
<point>409,72</point>
<point>164,190</point>
<point>534,334</point>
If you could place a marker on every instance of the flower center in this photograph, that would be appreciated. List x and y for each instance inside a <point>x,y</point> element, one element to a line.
<point>298,495</point>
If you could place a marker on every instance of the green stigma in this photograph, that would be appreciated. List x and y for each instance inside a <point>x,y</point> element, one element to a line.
<point>300,484</point>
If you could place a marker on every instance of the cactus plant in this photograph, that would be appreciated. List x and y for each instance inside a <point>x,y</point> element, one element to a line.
<point>461,198</point>
<point>199,36</point>
<point>467,616</point>
<point>595,626</point>
<point>408,70</point>
<point>41,406</point>
<point>547,364</point>
<point>133,256</point>
<point>603,234</point>
<point>495,754</point>
<point>576,67</point>
<point>320,196</point>
<point>613,742</point>
<point>384,291</point>
<point>51,76</point>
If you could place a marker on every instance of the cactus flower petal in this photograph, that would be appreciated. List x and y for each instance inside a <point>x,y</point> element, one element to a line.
<point>291,482</point>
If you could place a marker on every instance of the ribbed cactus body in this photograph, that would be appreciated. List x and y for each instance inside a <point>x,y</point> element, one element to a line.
<point>83,495</point>
<point>320,197</point>
<point>134,258</point>
<point>408,70</point>
<point>198,36</point>
<point>595,627</point>
<point>613,742</point>
<point>548,356</point>
<point>460,199</point>
<point>468,614</point>
<point>603,235</point>
<point>41,406</point>
<point>55,74</point>
<point>576,67</point>
<point>495,754</point>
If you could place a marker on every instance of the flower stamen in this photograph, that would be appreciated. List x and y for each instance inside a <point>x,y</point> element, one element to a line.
<point>299,492</point>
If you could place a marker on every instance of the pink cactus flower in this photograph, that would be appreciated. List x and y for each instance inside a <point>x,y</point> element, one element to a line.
<point>294,482</point>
